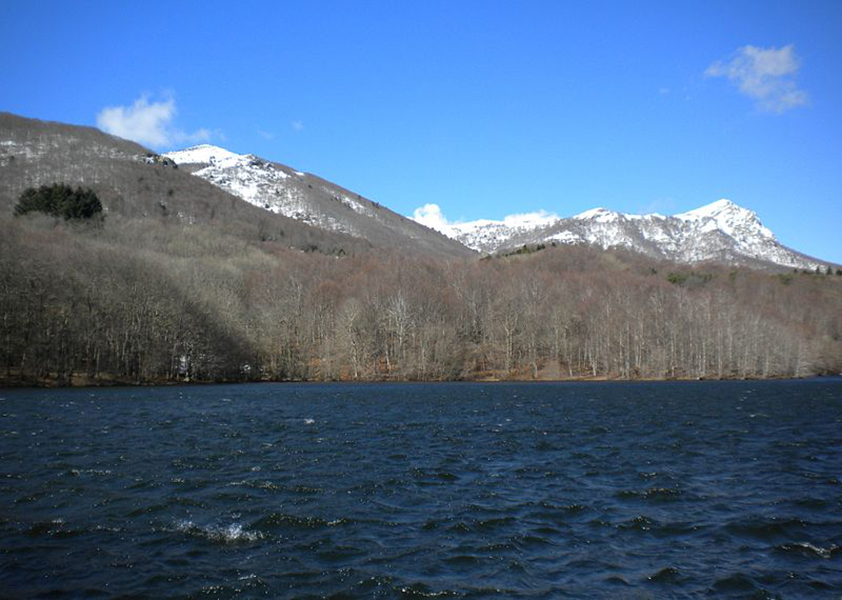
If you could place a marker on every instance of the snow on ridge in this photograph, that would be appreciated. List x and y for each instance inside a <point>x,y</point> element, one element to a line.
<point>601,215</point>
<point>590,214</point>
<point>263,184</point>
<point>711,210</point>
<point>721,228</point>
<point>539,218</point>
<point>728,217</point>
<point>202,154</point>
<point>431,216</point>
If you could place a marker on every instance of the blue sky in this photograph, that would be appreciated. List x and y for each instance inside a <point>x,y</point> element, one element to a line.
<point>484,108</point>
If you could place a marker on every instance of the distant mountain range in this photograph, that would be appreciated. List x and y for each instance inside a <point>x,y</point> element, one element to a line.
<point>209,184</point>
<point>721,232</point>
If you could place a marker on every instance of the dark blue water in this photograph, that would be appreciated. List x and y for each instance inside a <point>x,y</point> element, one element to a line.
<point>540,491</point>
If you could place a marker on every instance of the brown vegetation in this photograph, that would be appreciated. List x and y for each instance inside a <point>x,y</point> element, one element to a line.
<point>143,300</point>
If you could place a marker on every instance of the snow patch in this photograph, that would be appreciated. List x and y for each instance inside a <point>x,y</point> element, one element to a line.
<point>591,214</point>
<point>201,154</point>
<point>565,237</point>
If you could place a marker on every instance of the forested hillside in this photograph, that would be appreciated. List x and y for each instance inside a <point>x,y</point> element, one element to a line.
<point>145,300</point>
<point>118,267</point>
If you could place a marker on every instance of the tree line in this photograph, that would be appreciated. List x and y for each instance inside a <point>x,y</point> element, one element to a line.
<point>146,301</point>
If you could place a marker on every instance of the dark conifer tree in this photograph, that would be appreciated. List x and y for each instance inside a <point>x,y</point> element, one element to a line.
<point>59,200</point>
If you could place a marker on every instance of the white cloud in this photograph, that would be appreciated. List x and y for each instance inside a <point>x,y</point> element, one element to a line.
<point>297,126</point>
<point>266,135</point>
<point>431,216</point>
<point>149,123</point>
<point>765,74</point>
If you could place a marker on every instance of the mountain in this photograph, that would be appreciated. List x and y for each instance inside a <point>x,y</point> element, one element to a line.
<point>135,183</point>
<point>206,185</point>
<point>184,281</point>
<point>259,200</point>
<point>718,232</point>
<point>310,199</point>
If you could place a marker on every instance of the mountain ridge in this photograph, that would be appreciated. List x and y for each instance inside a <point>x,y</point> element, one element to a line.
<point>308,198</point>
<point>183,281</point>
<point>203,183</point>
<point>721,231</point>
<point>135,183</point>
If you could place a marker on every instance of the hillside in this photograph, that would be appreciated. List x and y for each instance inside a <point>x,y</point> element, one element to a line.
<point>133,182</point>
<point>307,198</point>
<point>183,281</point>
<point>149,302</point>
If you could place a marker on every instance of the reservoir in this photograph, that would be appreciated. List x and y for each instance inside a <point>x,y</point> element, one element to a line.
<point>545,490</point>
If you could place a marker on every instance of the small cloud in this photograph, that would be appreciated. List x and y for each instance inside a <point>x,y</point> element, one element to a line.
<point>664,91</point>
<point>297,126</point>
<point>765,74</point>
<point>266,135</point>
<point>431,216</point>
<point>149,123</point>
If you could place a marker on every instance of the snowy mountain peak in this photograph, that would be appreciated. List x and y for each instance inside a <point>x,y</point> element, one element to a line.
<point>728,217</point>
<point>202,154</point>
<point>714,210</point>
<point>602,215</point>
<point>720,231</point>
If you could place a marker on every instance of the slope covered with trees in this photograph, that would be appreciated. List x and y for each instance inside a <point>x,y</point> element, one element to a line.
<point>181,281</point>
<point>146,301</point>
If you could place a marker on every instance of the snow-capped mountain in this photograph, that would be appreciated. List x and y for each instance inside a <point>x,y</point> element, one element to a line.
<point>310,199</point>
<point>303,211</point>
<point>133,182</point>
<point>721,231</point>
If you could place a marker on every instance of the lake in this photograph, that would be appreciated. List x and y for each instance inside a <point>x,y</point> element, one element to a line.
<point>414,490</point>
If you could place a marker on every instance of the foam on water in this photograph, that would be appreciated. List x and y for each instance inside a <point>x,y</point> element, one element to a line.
<point>218,533</point>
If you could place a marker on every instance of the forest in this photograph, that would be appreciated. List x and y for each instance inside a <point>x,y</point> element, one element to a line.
<point>132,300</point>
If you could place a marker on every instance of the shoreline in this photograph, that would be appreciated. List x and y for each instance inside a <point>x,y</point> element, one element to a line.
<point>19,384</point>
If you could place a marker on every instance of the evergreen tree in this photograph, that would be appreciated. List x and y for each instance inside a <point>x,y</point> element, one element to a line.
<point>59,200</point>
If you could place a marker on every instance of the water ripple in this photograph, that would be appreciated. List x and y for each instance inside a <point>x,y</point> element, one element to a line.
<point>727,489</point>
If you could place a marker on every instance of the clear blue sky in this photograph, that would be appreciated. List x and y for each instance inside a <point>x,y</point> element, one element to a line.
<point>484,108</point>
